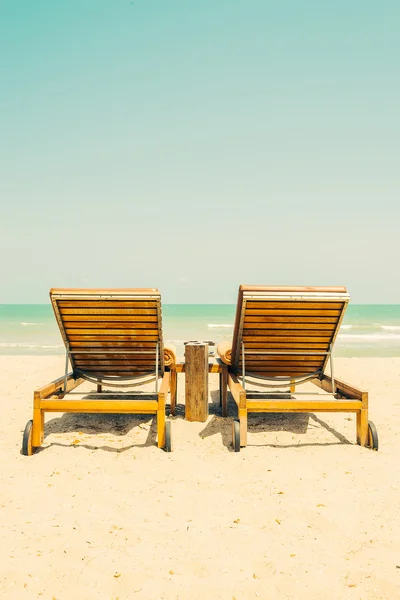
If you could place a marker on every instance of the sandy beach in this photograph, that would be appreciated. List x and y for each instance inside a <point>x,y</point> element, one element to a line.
<point>101,512</point>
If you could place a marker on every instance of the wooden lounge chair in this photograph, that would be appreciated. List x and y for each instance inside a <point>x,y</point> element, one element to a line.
<point>283,337</point>
<point>113,337</point>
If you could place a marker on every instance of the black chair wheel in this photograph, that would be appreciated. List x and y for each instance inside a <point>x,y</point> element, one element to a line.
<point>236,435</point>
<point>373,441</point>
<point>27,448</point>
<point>168,436</point>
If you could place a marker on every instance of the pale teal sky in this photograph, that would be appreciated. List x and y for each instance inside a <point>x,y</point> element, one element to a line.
<point>193,145</point>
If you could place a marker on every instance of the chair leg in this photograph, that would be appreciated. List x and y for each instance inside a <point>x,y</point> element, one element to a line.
<point>37,427</point>
<point>243,426</point>
<point>362,427</point>
<point>174,391</point>
<point>224,391</point>
<point>161,428</point>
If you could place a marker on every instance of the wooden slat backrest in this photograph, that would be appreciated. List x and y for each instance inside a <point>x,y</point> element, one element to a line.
<point>111,332</point>
<point>297,321</point>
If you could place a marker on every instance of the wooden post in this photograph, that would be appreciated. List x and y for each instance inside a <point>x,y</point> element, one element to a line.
<point>196,381</point>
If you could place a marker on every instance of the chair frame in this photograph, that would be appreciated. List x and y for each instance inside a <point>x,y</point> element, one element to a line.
<point>332,394</point>
<point>57,396</point>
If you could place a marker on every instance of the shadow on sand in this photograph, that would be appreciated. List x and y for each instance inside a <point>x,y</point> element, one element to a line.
<point>99,424</point>
<point>297,423</point>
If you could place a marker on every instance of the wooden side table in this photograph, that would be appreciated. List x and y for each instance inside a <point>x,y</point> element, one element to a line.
<point>196,381</point>
<point>196,395</point>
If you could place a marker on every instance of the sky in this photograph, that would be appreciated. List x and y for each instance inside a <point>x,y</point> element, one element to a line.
<point>194,145</point>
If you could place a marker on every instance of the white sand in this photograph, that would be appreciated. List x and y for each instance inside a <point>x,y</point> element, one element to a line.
<point>101,512</point>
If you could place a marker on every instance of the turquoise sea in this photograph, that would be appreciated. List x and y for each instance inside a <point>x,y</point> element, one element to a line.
<point>367,330</point>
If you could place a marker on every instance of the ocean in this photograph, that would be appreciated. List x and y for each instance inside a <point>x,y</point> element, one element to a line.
<point>367,329</point>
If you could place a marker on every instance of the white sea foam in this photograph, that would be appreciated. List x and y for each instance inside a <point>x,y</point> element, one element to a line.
<point>219,325</point>
<point>29,323</point>
<point>52,346</point>
<point>346,326</point>
<point>390,327</point>
<point>372,336</point>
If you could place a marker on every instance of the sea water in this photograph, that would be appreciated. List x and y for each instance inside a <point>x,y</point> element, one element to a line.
<point>367,329</point>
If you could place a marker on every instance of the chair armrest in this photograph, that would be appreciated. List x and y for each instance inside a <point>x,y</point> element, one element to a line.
<point>237,390</point>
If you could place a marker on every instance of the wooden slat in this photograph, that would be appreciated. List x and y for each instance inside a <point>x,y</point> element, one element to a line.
<point>112,344</point>
<point>109,311</point>
<point>58,385</point>
<point>274,335</point>
<point>291,326</point>
<point>110,332</point>
<point>289,372</point>
<point>282,357</point>
<point>132,358</point>
<point>282,368</point>
<point>129,319</point>
<point>300,304</point>
<point>264,342</point>
<point>276,371</point>
<point>304,405</point>
<point>101,406</point>
<point>84,337</point>
<point>266,312</point>
<point>277,363</point>
<point>112,369</point>
<point>108,326</point>
<point>106,373</point>
<point>118,363</point>
<point>287,319</point>
<point>346,389</point>
<point>284,365</point>
<point>106,304</point>
<point>283,346</point>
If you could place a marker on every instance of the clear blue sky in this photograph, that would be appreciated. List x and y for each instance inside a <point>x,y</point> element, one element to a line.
<point>193,145</point>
